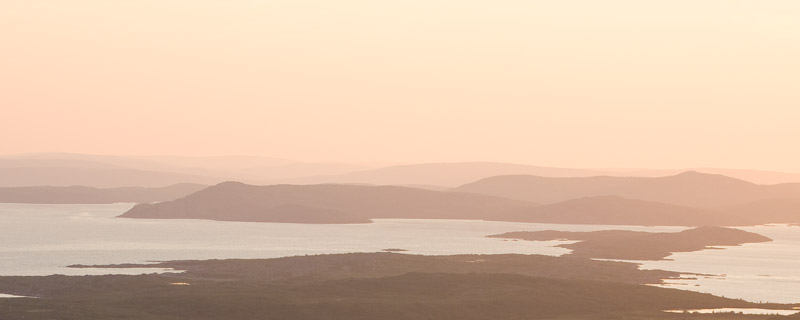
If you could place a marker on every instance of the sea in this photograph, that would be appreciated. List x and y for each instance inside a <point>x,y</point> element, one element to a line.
<point>37,239</point>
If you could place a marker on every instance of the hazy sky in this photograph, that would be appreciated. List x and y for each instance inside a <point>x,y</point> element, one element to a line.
<point>572,83</point>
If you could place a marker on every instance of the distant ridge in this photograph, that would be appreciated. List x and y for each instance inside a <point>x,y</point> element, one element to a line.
<point>615,210</point>
<point>105,171</point>
<point>444,174</point>
<point>782,210</point>
<point>691,189</point>
<point>97,177</point>
<point>453,174</point>
<point>90,195</point>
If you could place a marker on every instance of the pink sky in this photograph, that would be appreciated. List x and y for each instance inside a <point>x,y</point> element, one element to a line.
<point>573,83</point>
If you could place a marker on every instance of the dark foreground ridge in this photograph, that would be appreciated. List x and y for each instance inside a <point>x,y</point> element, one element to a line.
<point>367,286</point>
<point>634,245</point>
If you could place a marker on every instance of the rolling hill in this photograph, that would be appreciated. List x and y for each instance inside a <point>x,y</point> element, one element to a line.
<point>234,201</point>
<point>332,203</point>
<point>692,189</point>
<point>779,210</point>
<point>443,174</point>
<point>615,210</point>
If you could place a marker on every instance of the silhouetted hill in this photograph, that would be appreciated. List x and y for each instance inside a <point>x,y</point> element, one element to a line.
<point>691,189</point>
<point>754,176</point>
<point>616,210</point>
<point>234,201</point>
<point>633,245</point>
<point>81,194</point>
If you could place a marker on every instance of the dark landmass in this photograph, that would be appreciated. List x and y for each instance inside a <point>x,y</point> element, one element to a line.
<point>692,189</point>
<point>394,250</point>
<point>372,265</point>
<point>633,245</point>
<point>233,201</point>
<point>90,195</point>
<point>614,210</point>
<point>335,287</point>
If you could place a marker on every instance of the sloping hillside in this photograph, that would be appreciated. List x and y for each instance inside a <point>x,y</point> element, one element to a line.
<point>691,189</point>
<point>616,210</point>
<point>233,201</point>
<point>444,174</point>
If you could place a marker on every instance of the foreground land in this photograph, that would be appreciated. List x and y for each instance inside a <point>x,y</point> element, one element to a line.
<point>634,245</point>
<point>368,286</point>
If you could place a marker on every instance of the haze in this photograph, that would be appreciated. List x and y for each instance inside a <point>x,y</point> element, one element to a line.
<point>656,84</point>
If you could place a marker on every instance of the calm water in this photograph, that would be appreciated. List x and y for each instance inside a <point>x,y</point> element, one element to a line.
<point>754,272</point>
<point>44,239</point>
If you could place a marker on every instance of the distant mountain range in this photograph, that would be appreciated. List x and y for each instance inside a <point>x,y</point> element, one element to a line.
<point>67,169</point>
<point>615,210</point>
<point>102,171</point>
<point>443,174</point>
<point>459,173</point>
<point>481,190</point>
<point>779,210</point>
<point>96,177</point>
<point>332,203</point>
<point>692,189</point>
<point>88,195</point>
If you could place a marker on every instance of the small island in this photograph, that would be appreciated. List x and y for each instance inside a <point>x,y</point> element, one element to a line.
<point>636,245</point>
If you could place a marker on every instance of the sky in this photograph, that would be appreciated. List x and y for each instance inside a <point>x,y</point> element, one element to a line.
<point>568,83</point>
